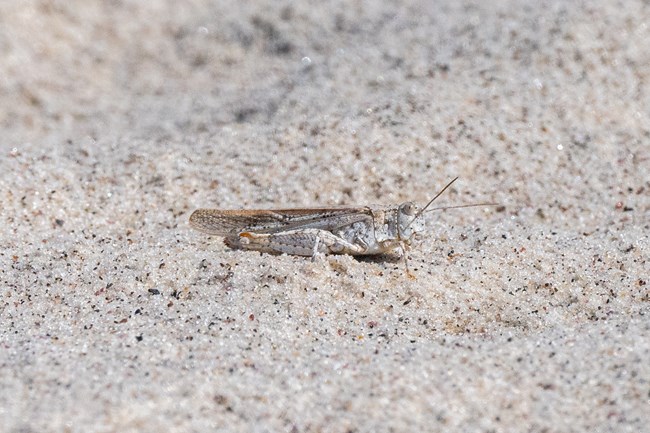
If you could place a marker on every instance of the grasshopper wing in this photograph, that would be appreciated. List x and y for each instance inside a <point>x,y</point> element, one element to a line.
<point>231,222</point>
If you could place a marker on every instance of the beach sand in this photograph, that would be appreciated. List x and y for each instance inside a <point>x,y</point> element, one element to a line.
<point>120,118</point>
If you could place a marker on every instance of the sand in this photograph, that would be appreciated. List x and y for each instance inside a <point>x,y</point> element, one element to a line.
<point>121,118</point>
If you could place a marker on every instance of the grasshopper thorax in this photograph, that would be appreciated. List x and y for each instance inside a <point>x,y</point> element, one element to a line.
<point>409,221</point>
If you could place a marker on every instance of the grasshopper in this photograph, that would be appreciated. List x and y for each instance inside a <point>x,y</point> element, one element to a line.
<point>354,230</point>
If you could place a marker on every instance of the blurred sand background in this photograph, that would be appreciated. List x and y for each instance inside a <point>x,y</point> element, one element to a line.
<point>119,118</point>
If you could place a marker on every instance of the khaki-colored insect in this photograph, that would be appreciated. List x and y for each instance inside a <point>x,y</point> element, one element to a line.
<point>354,230</point>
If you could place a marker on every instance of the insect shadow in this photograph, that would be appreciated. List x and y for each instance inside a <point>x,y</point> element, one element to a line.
<point>379,258</point>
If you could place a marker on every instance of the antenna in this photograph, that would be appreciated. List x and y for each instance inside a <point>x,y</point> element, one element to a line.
<point>430,201</point>
<point>462,205</point>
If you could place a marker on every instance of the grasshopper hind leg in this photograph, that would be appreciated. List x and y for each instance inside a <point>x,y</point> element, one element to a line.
<point>304,242</point>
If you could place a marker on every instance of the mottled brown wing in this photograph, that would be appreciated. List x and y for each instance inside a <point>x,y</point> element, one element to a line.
<point>230,222</point>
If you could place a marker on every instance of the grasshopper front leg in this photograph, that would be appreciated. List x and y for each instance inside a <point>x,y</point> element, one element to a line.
<point>303,242</point>
<point>404,248</point>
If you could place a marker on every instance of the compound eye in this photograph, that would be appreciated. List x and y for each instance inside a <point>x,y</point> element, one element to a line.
<point>408,209</point>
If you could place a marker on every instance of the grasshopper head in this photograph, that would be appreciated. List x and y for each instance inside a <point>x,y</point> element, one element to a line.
<point>409,221</point>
